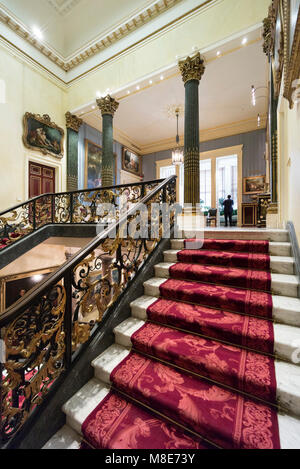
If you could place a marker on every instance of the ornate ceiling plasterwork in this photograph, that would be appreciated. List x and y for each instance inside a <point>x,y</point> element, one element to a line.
<point>101,43</point>
<point>63,7</point>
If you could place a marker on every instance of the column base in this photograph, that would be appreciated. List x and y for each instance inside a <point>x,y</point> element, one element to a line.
<point>272,218</point>
<point>191,221</point>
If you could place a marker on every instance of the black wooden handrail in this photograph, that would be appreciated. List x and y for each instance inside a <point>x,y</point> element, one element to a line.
<point>18,308</point>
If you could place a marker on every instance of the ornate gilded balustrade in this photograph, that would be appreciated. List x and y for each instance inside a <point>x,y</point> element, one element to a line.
<point>75,207</point>
<point>42,331</point>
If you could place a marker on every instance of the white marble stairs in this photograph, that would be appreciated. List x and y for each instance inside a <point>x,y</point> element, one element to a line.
<point>286,311</point>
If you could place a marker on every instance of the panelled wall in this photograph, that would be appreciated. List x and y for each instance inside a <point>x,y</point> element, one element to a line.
<point>254,147</point>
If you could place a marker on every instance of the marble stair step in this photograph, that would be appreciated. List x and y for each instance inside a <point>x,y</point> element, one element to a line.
<point>275,248</point>
<point>286,338</point>
<point>282,284</point>
<point>65,438</point>
<point>79,407</point>
<point>287,423</point>
<point>279,264</point>
<point>286,310</point>
<point>108,360</point>
<point>273,235</point>
<point>287,374</point>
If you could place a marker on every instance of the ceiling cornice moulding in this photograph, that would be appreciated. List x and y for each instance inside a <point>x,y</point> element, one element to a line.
<point>98,45</point>
<point>228,130</point>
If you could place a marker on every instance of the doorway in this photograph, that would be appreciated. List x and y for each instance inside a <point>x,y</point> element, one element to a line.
<point>41,179</point>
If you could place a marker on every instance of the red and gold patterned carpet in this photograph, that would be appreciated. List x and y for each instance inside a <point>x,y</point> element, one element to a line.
<point>201,371</point>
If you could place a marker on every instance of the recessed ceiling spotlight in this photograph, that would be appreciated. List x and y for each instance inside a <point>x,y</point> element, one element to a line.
<point>218,53</point>
<point>150,82</point>
<point>162,77</point>
<point>93,107</point>
<point>37,33</point>
<point>244,41</point>
<point>128,92</point>
<point>138,87</point>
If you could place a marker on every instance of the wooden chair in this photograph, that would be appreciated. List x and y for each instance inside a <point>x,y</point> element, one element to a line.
<point>212,217</point>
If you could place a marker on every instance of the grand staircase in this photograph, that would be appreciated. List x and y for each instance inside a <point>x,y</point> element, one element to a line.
<point>209,359</point>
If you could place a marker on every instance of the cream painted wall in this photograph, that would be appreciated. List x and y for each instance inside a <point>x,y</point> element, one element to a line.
<point>27,90</point>
<point>210,25</point>
<point>289,167</point>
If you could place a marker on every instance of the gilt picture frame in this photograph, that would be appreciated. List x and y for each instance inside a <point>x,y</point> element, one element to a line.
<point>292,50</point>
<point>42,135</point>
<point>254,185</point>
<point>131,162</point>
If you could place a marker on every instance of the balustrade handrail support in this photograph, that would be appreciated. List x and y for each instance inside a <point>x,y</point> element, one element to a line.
<point>45,330</point>
<point>17,308</point>
<point>78,191</point>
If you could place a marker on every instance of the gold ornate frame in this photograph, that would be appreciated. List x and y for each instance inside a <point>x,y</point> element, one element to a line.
<point>279,55</point>
<point>140,162</point>
<point>86,142</point>
<point>45,120</point>
<point>12,277</point>
<point>253,178</point>
<point>292,53</point>
<point>284,50</point>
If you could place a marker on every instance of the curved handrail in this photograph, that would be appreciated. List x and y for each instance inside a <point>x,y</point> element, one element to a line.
<point>17,308</point>
<point>42,333</point>
<point>57,194</point>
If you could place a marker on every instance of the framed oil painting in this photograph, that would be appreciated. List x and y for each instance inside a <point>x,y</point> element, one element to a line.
<point>40,134</point>
<point>131,162</point>
<point>254,185</point>
<point>93,165</point>
<point>13,287</point>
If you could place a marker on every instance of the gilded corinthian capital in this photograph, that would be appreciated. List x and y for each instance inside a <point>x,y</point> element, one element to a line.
<point>192,68</point>
<point>107,105</point>
<point>269,26</point>
<point>73,122</point>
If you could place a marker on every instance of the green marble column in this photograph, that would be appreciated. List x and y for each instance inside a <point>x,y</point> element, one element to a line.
<point>108,107</point>
<point>73,124</point>
<point>192,70</point>
<point>274,145</point>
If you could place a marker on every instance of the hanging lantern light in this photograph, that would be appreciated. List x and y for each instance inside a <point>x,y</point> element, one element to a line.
<point>177,153</point>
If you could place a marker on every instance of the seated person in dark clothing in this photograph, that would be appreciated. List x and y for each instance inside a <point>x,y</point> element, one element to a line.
<point>228,210</point>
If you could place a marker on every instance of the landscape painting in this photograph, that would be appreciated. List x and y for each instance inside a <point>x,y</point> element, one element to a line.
<point>254,185</point>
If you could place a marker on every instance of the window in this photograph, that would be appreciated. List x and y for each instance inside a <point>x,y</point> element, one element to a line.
<point>220,176</point>
<point>205,184</point>
<point>226,179</point>
<point>167,171</point>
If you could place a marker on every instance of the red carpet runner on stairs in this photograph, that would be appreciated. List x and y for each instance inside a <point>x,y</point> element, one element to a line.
<point>201,373</point>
